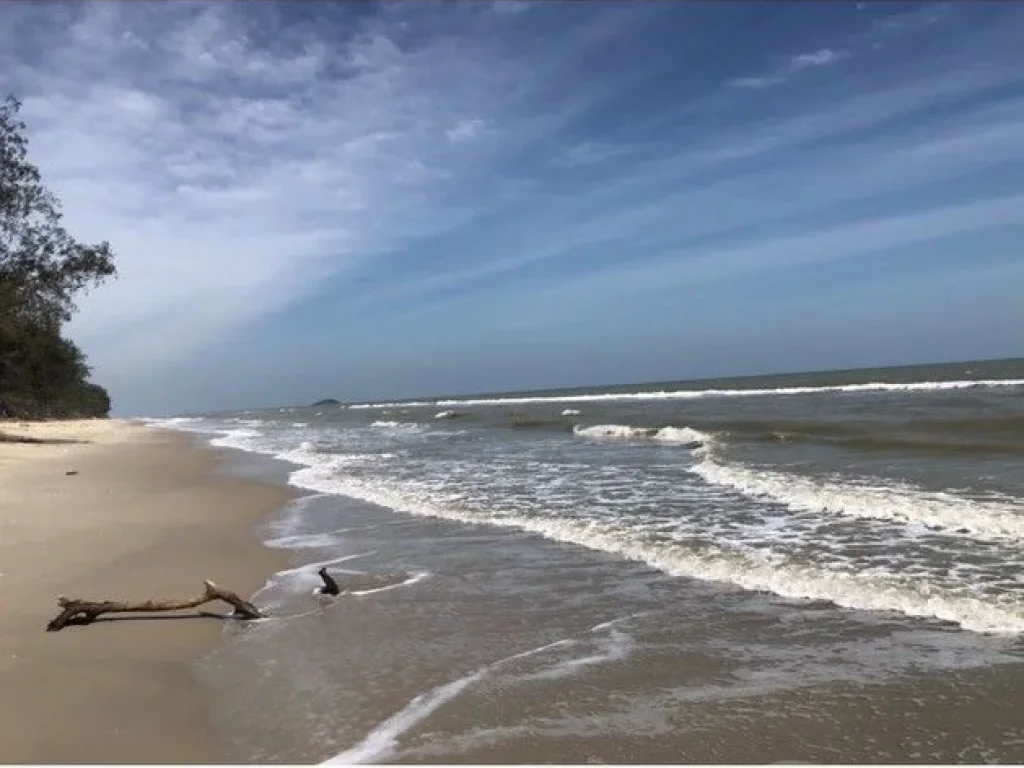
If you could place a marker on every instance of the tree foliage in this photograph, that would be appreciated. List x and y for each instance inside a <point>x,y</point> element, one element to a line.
<point>42,269</point>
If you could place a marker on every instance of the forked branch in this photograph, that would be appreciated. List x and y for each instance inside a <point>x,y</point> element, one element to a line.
<point>76,611</point>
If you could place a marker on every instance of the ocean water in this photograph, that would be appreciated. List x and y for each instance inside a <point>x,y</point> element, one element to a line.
<point>820,567</point>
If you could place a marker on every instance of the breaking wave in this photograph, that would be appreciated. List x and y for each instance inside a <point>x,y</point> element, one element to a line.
<point>682,435</point>
<point>397,426</point>
<point>873,499</point>
<point>748,570</point>
<point>686,394</point>
<point>631,537</point>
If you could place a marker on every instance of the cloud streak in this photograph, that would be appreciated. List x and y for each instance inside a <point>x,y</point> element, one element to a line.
<point>823,57</point>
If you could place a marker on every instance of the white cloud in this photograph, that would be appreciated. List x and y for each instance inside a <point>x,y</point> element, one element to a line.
<point>925,15</point>
<point>759,82</point>
<point>822,57</point>
<point>467,130</point>
<point>832,244</point>
<point>511,7</point>
<point>591,153</point>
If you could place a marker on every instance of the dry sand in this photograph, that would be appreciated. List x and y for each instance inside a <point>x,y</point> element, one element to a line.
<point>146,516</point>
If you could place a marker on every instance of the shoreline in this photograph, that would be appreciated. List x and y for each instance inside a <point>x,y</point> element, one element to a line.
<point>148,513</point>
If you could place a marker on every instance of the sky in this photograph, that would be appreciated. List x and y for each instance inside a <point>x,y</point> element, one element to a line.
<point>376,201</point>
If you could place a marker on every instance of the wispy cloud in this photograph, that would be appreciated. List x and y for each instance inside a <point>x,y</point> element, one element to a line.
<point>898,22</point>
<point>827,244</point>
<point>467,130</point>
<point>445,169</point>
<point>511,7</point>
<point>591,153</point>
<point>821,58</point>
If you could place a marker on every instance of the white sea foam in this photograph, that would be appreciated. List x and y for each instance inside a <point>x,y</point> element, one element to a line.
<point>414,578</point>
<point>747,570</point>
<point>612,431</point>
<point>686,394</point>
<point>384,738</point>
<point>874,500</point>
<point>615,647</point>
<point>446,415</point>
<point>290,520</point>
<point>176,421</point>
<point>398,426</point>
<point>571,412</point>
<point>382,741</point>
<point>306,540</point>
<point>241,439</point>
<point>302,578</point>
<point>681,435</point>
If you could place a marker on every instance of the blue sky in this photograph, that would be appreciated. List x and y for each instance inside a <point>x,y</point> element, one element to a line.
<point>378,201</point>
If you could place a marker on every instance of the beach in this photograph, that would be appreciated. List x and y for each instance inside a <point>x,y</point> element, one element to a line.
<point>826,564</point>
<point>146,516</point>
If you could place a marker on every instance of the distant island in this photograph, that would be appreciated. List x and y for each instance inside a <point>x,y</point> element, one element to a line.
<point>328,401</point>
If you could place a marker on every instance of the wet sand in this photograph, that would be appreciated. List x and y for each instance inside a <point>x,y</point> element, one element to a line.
<point>146,515</point>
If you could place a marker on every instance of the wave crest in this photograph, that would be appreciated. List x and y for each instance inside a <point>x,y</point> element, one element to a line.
<point>875,500</point>
<point>684,436</point>
<point>687,394</point>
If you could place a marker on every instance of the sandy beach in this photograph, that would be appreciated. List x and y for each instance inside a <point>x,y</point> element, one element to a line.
<point>146,515</point>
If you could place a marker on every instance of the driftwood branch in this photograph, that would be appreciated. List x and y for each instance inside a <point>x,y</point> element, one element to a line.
<point>86,611</point>
<point>330,586</point>
<point>7,437</point>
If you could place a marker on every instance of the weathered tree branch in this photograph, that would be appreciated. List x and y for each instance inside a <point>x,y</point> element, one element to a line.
<point>7,437</point>
<point>330,586</point>
<point>77,611</point>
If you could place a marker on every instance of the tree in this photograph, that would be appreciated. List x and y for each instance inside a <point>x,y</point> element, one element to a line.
<point>42,269</point>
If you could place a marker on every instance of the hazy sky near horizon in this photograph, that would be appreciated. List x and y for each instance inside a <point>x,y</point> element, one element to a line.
<point>374,201</point>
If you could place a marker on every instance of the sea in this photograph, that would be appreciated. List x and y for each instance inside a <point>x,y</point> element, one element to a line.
<point>822,567</point>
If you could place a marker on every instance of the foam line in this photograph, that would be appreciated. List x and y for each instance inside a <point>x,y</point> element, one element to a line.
<point>615,647</point>
<point>413,579</point>
<point>383,739</point>
<point>743,569</point>
<point>687,394</point>
<point>880,501</point>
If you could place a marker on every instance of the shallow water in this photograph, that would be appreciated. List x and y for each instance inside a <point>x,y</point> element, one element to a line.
<point>634,574</point>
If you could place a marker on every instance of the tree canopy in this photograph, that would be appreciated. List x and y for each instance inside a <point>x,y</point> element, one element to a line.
<point>42,269</point>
